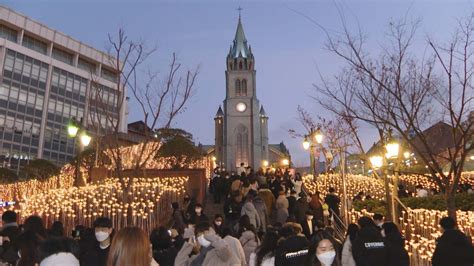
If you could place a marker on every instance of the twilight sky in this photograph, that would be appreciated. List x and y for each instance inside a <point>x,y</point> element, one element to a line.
<point>288,48</point>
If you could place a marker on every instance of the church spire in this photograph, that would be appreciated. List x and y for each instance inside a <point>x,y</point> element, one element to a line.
<point>240,47</point>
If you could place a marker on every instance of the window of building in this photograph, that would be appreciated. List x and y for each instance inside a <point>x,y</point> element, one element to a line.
<point>35,44</point>
<point>244,87</point>
<point>8,33</point>
<point>63,56</point>
<point>109,75</point>
<point>237,87</point>
<point>86,65</point>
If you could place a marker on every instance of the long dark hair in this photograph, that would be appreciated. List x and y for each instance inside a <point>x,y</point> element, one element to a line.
<point>268,246</point>
<point>392,234</point>
<point>352,231</point>
<point>245,225</point>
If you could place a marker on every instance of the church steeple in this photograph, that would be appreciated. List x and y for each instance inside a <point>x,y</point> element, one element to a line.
<point>240,47</point>
<point>240,55</point>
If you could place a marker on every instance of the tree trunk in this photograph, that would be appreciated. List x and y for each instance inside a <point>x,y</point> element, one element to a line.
<point>450,204</point>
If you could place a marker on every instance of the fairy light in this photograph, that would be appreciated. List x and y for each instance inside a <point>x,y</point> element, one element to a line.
<point>419,226</point>
<point>146,202</point>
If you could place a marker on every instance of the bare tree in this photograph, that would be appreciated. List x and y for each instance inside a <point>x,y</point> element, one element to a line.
<point>160,98</point>
<point>339,135</point>
<point>399,91</point>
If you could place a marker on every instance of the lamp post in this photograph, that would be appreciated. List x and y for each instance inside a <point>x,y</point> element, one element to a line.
<point>393,152</point>
<point>74,130</point>
<point>377,163</point>
<point>314,138</point>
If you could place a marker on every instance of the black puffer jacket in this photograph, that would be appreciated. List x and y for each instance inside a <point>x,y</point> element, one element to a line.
<point>292,251</point>
<point>453,248</point>
<point>369,248</point>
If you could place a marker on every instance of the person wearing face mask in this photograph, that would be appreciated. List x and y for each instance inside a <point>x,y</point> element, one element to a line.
<point>326,254</point>
<point>211,249</point>
<point>97,255</point>
<point>218,224</point>
<point>198,216</point>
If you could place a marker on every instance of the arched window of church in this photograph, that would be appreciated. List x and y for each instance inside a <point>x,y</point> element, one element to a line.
<point>240,65</point>
<point>244,87</point>
<point>250,65</point>
<point>230,66</point>
<point>242,144</point>
<point>237,87</point>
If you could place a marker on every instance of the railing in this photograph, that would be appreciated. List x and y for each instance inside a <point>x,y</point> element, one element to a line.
<point>339,227</point>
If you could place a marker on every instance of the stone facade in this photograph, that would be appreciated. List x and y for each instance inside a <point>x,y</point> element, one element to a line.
<point>241,127</point>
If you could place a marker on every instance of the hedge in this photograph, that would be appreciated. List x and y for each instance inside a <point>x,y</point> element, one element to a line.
<point>464,202</point>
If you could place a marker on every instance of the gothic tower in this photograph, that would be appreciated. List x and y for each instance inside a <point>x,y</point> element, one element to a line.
<point>242,127</point>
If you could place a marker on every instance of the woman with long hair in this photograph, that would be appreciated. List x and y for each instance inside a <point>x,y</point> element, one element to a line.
<point>130,246</point>
<point>397,255</point>
<point>347,258</point>
<point>265,253</point>
<point>324,250</point>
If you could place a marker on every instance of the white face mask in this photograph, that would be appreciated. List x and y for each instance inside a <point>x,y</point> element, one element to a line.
<point>218,223</point>
<point>198,210</point>
<point>203,241</point>
<point>327,258</point>
<point>309,218</point>
<point>101,236</point>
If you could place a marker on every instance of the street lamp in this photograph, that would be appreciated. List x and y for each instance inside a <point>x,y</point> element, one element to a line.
<point>318,136</point>
<point>85,139</point>
<point>315,137</point>
<point>392,150</point>
<point>285,162</point>
<point>265,163</point>
<point>74,130</point>
<point>306,143</point>
<point>376,161</point>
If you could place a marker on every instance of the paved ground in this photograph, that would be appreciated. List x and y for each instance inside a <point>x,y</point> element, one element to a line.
<point>211,208</point>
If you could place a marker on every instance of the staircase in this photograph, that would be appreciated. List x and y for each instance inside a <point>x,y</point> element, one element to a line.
<point>211,208</point>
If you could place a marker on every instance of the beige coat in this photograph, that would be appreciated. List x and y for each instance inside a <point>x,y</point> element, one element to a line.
<point>249,243</point>
<point>236,248</point>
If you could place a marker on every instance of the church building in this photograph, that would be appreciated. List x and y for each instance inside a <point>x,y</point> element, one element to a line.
<point>241,123</point>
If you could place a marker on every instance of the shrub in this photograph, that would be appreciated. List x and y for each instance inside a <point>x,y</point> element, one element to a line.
<point>40,169</point>
<point>464,202</point>
<point>7,176</point>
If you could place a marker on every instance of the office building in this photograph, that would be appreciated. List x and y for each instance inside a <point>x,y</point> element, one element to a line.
<point>46,79</point>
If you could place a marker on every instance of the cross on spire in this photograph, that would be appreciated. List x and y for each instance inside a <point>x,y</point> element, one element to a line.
<point>240,10</point>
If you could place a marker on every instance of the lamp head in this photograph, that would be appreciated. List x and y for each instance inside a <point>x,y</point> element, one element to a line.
<point>392,150</point>
<point>72,130</point>
<point>85,139</point>
<point>318,136</point>
<point>376,161</point>
<point>306,144</point>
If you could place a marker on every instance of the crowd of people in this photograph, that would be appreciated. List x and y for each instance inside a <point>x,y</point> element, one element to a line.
<point>266,219</point>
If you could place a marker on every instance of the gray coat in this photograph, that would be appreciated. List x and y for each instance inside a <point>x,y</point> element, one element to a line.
<point>219,255</point>
<point>261,208</point>
<point>249,210</point>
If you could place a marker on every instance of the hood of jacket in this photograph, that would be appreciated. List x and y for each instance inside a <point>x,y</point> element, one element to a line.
<point>60,259</point>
